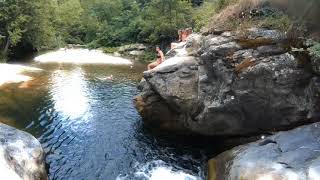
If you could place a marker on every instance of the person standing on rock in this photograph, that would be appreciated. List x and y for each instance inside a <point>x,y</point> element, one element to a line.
<point>160,59</point>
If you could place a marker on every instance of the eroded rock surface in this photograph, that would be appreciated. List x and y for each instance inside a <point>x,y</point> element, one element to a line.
<point>21,155</point>
<point>230,84</point>
<point>290,155</point>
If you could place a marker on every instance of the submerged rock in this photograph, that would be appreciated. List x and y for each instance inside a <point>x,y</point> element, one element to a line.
<point>235,84</point>
<point>290,155</point>
<point>21,155</point>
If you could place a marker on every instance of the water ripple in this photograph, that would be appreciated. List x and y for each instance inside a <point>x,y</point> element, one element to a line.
<point>89,129</point>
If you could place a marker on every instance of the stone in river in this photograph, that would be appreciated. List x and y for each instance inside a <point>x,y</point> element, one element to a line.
<point>290,155</point>
<point>21,155</point>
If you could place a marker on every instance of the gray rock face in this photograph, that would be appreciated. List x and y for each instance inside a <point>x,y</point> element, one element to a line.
<point>188,48</point>
<point>236,84</point>
<point>316,64</point>
<point>169,89</point>
<point>291,155</point>
<point>132,47</point>
<point>21,155</point>
<point>131,50</point>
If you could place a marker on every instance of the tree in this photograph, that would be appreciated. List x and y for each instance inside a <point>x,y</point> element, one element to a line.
<point>25,21</point>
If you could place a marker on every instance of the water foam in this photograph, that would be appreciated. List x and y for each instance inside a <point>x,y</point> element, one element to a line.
<point>159,170</point>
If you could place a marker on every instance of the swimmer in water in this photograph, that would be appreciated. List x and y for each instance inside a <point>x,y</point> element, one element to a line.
<point>110,77</point>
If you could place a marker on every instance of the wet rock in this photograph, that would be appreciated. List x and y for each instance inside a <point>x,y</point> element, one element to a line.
<point>290,155</point>
<point>21,155</point>
<point>228,88</point>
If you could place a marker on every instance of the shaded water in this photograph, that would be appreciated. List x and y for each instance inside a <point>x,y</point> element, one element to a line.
<point>89,128</point>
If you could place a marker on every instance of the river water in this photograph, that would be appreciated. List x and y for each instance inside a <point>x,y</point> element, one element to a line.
<point>89,128</point>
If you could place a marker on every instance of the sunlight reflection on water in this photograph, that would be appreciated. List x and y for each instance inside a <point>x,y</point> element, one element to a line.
<point>89,127</point>
<point>81,56</point>
<point>10,73</point>
<point>70,93</point>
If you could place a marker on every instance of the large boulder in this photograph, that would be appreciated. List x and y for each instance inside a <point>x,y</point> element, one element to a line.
<point>238,83</point>
<point>167,90</point>
<point>291,155</point>
<point>21,155</point>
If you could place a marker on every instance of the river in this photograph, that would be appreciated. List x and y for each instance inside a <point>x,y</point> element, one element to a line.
<point>89,128</point>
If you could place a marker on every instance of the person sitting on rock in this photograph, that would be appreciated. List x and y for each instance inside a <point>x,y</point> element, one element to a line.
<point>160,59</point>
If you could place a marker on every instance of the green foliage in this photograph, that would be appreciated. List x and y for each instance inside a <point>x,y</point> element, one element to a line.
<point>128,21</point>
<point>220,4</point>
<point>26,22</point>
<point>110,50</point>
<point>275,20</point>
<point>314,47</point>
<point>148,56</point>
<point>203,14</point>
<point>68,20</point>
<point>42,24</point>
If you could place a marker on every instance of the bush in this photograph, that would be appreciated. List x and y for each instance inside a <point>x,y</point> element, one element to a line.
<point>110,50</point>
<point>314,47</point>
<point>202,14</point>
<point>276,20</point>
<point>148,56</point>
<point>235,14</point>
<point>269,19</point>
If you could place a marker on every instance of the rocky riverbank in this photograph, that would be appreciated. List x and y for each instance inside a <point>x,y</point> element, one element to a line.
<point>231,83</point>
<point>244,83</point>
<point>21,155</point>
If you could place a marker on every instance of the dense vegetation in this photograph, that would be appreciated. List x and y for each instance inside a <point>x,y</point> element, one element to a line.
<point>40,24</point>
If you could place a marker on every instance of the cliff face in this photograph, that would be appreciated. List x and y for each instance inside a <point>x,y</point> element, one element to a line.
<point>230,83</point>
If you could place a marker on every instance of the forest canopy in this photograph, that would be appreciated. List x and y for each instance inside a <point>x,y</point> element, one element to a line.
<point>31,25</point>
<point>43,24</point>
